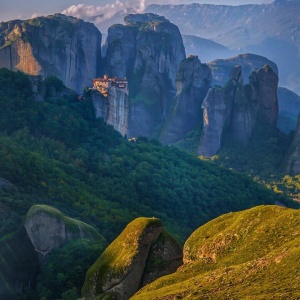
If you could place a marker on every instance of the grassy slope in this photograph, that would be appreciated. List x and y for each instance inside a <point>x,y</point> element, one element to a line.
<point>253,254</point>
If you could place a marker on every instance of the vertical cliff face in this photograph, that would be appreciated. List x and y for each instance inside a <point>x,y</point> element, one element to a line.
<point>192,83</point>
<point>147,50</point>
<point>113,108</point>
<point>55,45</point>
<point>221,68</point>
<point>243,115</point>
<point>216,111</point>
<point>237,108</point>
<point>291,162</point>
<point>267,95</point>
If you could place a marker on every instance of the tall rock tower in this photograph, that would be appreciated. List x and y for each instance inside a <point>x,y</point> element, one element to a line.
<point>147,51</point>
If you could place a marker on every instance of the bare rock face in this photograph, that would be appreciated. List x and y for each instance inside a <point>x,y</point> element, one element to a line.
<point>49,229</point>
<point>65,47</point>
<point>243,117</point>
<point>113,108</point>
<point>267,95</point>
<point>237,108</point>
<point>216,112</point>
<point>291,162</point>
<point>147,51</point>
<point>289,108</point>
<point>221,68</point>
<point>192,83</point>
<point>119,271</point>
<point>165,257</point>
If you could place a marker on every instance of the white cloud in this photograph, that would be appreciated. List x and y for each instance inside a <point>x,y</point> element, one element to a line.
<point>105,12</point>
<point>35,15</point>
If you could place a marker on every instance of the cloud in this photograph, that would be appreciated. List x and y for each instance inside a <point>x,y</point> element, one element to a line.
<point>35,15</point>
<point>103,13</point>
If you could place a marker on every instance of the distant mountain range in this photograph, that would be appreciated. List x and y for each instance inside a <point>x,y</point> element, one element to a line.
<point>271,30</point>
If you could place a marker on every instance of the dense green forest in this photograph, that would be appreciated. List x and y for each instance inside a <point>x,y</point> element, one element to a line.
<point>56,152</point>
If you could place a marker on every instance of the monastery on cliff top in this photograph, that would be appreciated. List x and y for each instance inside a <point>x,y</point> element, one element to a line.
<point>104,84</point>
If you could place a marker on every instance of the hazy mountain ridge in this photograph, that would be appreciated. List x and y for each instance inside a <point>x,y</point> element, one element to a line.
<point>271,30</point>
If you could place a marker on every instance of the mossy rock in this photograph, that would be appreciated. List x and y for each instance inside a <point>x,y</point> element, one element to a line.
<point>164,258</point>
<point>48,229</point>
<point>253,254</point>
<point>119,270</point>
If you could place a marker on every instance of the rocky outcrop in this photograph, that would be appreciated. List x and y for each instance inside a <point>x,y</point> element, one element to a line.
<point>148,51</point>
<point>221,68</point>
<point>112,108</point>
<point>164,258</point>
<point>49,229</point>
<point>267,82</point>
<point>65,47</point>
<point>289,108</point>
<point>291,162</point>
<point>216,111</point>
<point>237,108</point>
<point>192,83</point>
<point>119,271</point>
<point>243,116</point>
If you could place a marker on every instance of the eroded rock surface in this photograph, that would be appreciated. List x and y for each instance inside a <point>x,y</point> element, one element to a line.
<point>113,108</point>
<point>237,108</point>
<point>192,83</point>
<point>120,270</point>
<point>65,47</point>
<point>49,229</point>
<point>147,51</point>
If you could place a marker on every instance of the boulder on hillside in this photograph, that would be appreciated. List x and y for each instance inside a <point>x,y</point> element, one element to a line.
<point>120,270</point>
<point>48,229</point>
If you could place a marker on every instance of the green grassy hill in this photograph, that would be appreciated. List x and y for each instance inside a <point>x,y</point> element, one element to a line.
<point>253,254</point>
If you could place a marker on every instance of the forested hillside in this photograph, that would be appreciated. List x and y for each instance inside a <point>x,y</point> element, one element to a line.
<point>56,152</point>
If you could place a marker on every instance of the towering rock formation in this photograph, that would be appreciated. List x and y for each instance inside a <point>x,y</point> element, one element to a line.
<point>267,95</point>
<point>147,50</point>
<point>291,162</point>
<point>113,108</point>
<point>216,111</point>
<point>221,68</point>
<point>243,114</point>
<point>238,108</point>
<point>192,83</point>
<point>289,108</point>
<point>56,45</point>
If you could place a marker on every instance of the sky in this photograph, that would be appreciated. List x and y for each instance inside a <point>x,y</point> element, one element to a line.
<point>25,9</point>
